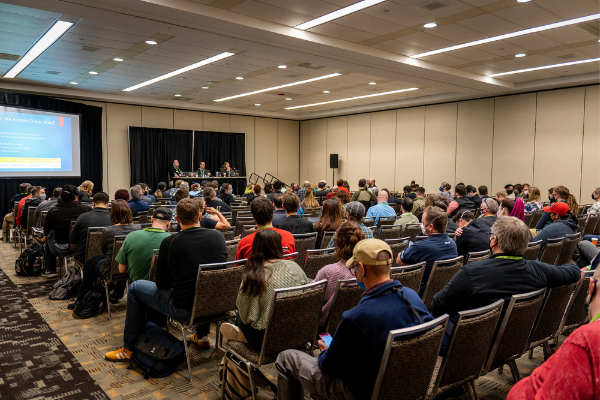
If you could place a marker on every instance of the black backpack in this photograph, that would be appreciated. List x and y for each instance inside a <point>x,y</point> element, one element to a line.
<point>93,304</point>
<point>157,352</point>
<point>28,263</point>
<point>67,286</point>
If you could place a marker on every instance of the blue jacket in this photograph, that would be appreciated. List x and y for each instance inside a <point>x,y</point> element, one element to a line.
<point>138,205</point>
<point>358,343</point>
<point>557,229</point>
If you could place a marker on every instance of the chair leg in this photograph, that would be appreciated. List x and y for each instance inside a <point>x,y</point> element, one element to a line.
<point>224,382</point>
<point>252,383</point>
<point>107,300</point>
<point>501,369</point>
<point>473,391</point>
<point>530,353</point>
<point>515,370</point>
<point>547,350</point>
<point>187,353</point>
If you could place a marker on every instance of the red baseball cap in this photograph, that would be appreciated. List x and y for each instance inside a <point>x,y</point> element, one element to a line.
<point>560,208</point>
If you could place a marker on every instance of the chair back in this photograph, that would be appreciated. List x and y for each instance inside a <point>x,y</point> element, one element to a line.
<point>240,222</point>
<point>397,246</point>
<point>469,345</point>
<point>441,273</point>
<point>389,232</point>
<point>537,215</point>
<point>173,227</point>
<point>293,318</point>
<point>386,221</point>
<point>566,254</point>
<point>346,296</point>
<point>576,313</point>
<point>228,234</point>
<point>552,250</point>
<point>533,250</point>
<point>408,361</point>
<point>478,256</point>
<point>369,222</point>
<point>409,276</point>
<point>303,242</point>
<point>326,238</point>
<point>551,314</point>
<point>232,246</point>
<point>15,208</point>
<point>528,219</point>
<point>44,215</point>
<point>591,224</point>
<point>94,242</point>
<point>515,327</point>
<point>248,229</point>
<point>314,260</point>
<point>30,213</point>
<point>412,231</point>
<point>153,264</point>
<point>115,275</point>
<point>217,288</point>
<point>581,222</point>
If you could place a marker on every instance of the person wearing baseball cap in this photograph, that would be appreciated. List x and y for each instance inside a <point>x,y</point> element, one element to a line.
<point>355,212</point>
<point>563,222</point>
<point>349,366</point>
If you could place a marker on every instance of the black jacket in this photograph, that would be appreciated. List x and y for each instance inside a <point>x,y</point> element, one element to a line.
<point>322,193</point>
<point>475,237</point>
<point>32,202</point>
<point>296,224</point>
<point>489,220</point>
<point>218,205</point>
<point>483,282</point>
<point>98,217</point>
<point>59,220</point>
<point>553,230</point>
<point>173,171</point>
<point>463,203</point>
<point>476,200</point>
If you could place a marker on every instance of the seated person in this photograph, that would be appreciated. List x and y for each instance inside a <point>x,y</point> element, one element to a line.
<point>322,190</point>
<point>489,208</point>
<point>588,254</point>
<point>226,194</point>
<point>346,238</point>
<point>473,196</point>
<point>179,195</point>
<point>202,171</point>
<point>10,217</point>
<point>363,193</point>
<point>211,200</point>
<point>262,212</point>
<point>279,214</point>
<point>355,212</point>
<point>121,221</point>
<point>348,368</point>
<point>21,204</point>
<point>382,209</point>
<point>146,196</point>
<point>47,205</point>
<point>331,218</point>
<point>419,203</point>
<point>442,203</point>
<point>438,246</point>
<point>407,216</point>
<point>211,218</point>
<point>123,194</point>
<point>334,192</point>
<point>98,217</point>
<point>472,234</point>
<point>176,272</point>
<point>571,372</point>
<point>461,201</point>
<point>277,186</point>
<point>265,271</point>
<point>136,202</point>
<point>171,192</point>
<point>38,195</point>
<point>293,223</point>
<point>563,222</point>
<point>58,226</point>
<point>195,190</point>
<point>85,191</point>
<point>534,201</point>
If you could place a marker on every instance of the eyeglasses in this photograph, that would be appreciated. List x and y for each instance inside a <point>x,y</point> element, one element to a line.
<point>353,269</point>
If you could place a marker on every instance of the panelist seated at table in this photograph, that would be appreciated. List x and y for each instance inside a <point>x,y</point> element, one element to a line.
<point>175,171</point>
<point>202,171</point>
<point>226,169</point>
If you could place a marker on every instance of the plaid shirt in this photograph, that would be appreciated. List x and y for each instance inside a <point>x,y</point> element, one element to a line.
<point>367,231</point>
<point>595,208</point>
<point>301,193</point>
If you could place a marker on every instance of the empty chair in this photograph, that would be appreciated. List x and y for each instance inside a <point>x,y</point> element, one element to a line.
<point>576,314</point>
<point>232,246</point>
<point>94,242</point>
<point>515,327</point>
<point>552,250</point>
<point>346,296</point>
<point>326,238</point>
<point>303,242</point>
<point>397,246</point>
<point>115,275</point>
<point>441,273</point>
<point>591,224</point>
<point>528,219</point>
<point>468,348</point>
<point>566,254</point>
<point>389,232</point>
<point>412,231</point>
<point>240,222</point>
<point>533,250</point>
<point>410,275</point>
<point>314,260</point>
<point>478,256</point>
<point>409,359</point>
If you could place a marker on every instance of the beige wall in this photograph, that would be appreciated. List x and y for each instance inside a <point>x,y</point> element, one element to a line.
<point>545,139</point>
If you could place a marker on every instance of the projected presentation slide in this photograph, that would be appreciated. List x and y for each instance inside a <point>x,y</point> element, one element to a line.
<point>38,143</point>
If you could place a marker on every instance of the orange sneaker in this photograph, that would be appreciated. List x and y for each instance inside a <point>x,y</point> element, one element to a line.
<point>118,355</point>
<point>203,342</point>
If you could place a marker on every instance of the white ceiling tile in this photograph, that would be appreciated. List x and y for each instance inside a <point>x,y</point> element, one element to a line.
<point>270,13</point>
<point>399,14</point>
<point>368,23</point>
<point>501,48</point>
<point>489,25</point>
<point>471,54</point>
<point>455,33</point>
<point>483,70</point>
<point>570,9</point>
<point>396,46</point>
<point>342,32</point>
<point>569,34</point>
<point>592,51</point>
<point>533,41</point>
<point>314,8</point>
<point>445,59</point>
<point>528,15</point>
<point>426,40</point>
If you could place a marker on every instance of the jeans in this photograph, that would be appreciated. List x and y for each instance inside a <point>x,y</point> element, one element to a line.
<point>51,252</point>
<point>89,277</point>
<point>143,295</point>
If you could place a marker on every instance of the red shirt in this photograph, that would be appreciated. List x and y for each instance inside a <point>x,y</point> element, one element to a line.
<point>245,245</point>
<point>20,209</point>
<point>573,372</point>
<point>343,188</point>
<point>330,195</point>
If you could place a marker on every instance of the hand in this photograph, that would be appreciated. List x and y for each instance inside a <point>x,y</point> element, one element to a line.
<point>322,345</point>
<point>211,210</point>
<point>583,271</point>
<point>176,176</point>
<point>458,232</point>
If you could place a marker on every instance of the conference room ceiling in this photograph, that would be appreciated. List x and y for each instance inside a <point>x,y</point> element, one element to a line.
<point>370,49</point>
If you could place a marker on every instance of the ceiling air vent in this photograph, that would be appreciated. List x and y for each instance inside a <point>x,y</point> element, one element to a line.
<point>293,76</point>
<point>311,66</point>
<point>567,56</point>
<point>435,5</point>
<point>53,72</point>
<point>182,98</point>
<point>90,49</point>
<point>11,57</point>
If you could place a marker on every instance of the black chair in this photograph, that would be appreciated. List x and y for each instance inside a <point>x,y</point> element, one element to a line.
<point>533,250</point>
<point>317,259</point>
<point>412,231</point>
<point>346,296</point>
<point>566,254</point>
<point>478,256</point>
<point>302,243</point>
<point>409,275</point>
<point>552,250</point>
<point>441,273</point>
<point>389,232</point>
<point>115,275</point>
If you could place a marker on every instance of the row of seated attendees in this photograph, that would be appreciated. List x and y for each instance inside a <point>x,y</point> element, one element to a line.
<point>386,305</point>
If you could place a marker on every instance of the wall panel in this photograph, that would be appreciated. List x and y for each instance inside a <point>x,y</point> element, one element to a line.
<point>558,139</point>
<point>186,119</point>
<point>265,145</point>
<point>474,142</point>
<point>383,149</point>
<point>156,117</point>
<point>303,151</point>
<point>216,122</point>
<point>514,134</point>
<point>317,150</point>
<point>288,154</point>
<point>337,143</point>
<point>440,145</point>
<point>244,124</point>
<point>590,166</point>
<point>359,149</point>
<point>410,145</point>
<point>120,117</point>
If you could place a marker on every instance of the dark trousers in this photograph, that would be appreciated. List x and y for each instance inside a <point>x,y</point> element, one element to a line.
<point>91,271</point>
<point>254,336</point>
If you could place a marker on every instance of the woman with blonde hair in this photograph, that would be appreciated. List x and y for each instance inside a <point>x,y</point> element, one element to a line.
<point>534,199</point>
<point>309,200</point>
<point>85,191</point>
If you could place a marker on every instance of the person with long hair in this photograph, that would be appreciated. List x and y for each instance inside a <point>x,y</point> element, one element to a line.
<point>309,200</point>
<point>256,190</point>
<point>559,194</point>
<point>85,191</point>
<point>534,198</point>
<point>564,222</point>
<point>226,194</point>
<point>331,218</point>
<point>346,237</point>
<point>265,271</point>
<point>226,168</point>
<point>512,208</point>
<point>341,184</point>
<point>343,197</point>
<point>160,189</point>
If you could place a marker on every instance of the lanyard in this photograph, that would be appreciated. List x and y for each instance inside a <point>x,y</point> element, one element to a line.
<point>595,318</point>
<point>153,230</point>
<point>510,257</point>
<point>265,227</point>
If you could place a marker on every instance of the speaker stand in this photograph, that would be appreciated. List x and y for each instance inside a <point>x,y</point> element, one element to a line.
<point>333,177</point>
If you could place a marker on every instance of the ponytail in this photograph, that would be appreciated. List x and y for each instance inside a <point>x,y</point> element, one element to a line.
<point>573,206</point>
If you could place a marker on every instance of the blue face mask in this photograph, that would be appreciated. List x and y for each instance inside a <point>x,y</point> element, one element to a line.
<point>361,284</point>
<point>469,196</point>
<point>441,190</point>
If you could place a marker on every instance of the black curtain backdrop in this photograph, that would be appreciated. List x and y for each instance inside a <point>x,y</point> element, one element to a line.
<point>90,144</point>
<point>152,151</point>
<point>215,148</point>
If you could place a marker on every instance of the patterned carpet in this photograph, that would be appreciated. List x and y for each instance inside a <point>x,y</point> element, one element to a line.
<point>46,354</point>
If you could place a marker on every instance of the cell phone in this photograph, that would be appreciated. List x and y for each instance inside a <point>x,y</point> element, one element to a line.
<point>326,337</point>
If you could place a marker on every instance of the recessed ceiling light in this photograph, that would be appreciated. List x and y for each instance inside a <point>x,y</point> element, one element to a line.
<point>204,87</point>
<point>523,1</point>
<point>430,25</point>
<point>93,72</point>
<point>352,98</point>
<point>51,36</point>
<point>372,83</point>
<point>73,83</point>
<point>257,104</point>
<point>288,98</point>
<point>117,59</point>
<point>279,87</point>
<point>520,55</point>
<point>326,91</point>
<point>282,66</point>
<point>181,70</point>
<point>239,78</point>
<point>151,42</point>
<point>511,35</point>
<point>177,95</point>
<point>546,67</point>
<point>338,13</point>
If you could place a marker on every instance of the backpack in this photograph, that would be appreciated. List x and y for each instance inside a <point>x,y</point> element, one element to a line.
<point>93,304</point>
<point>67,286</point>
<point>237,386</point>
<point>157,352</point>
<point>28,263</point>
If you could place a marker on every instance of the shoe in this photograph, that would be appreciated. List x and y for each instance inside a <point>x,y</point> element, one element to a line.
<point>72,305</point>
<point>203,343</point>
<point>118,355</point>
<point>113,300</point>
<point>76,316</point>
<point>50,275</point>
<point>232,332</point>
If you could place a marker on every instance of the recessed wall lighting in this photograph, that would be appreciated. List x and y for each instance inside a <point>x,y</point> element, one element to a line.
<point>338,13</point>
<point>520,55</point>
<point>73,83</point>
<point>288,98</point>
<point>351,98</point>
<point>430,25</point>
<point>523,1</point>
<point>372,83</point>
<point>177,95</point>
<point>279,87</point>
<point>93,72</point>
<point>519,71</point>
<point>117,59</point>
<point>204,87</point>
<point>326,91</point>
<point>151,42</point>
<point>257,104</point>
<point>239,78</point>
<point>181,70</point>
<point>282,66</point>
<point>511,35</point>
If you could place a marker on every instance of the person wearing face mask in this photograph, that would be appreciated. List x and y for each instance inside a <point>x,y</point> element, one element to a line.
<point>563,222</point>
<point>473,196</point>
<point>573,371</point>
<point>472,234</point>
<point>361,336</point>
<point>461,202</point>
<point>526,191</point>
<point>509,189</point>
<point>533,199</point>
<point>38,194</point>
<point>595,208</point>
<point>489,208</point>
<point>445,189</point>
<point>226,194</point>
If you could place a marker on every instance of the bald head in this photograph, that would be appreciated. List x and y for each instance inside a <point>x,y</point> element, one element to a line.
<point>382,195</point>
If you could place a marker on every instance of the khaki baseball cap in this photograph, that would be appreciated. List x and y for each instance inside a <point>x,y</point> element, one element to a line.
<point>366,252</point>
